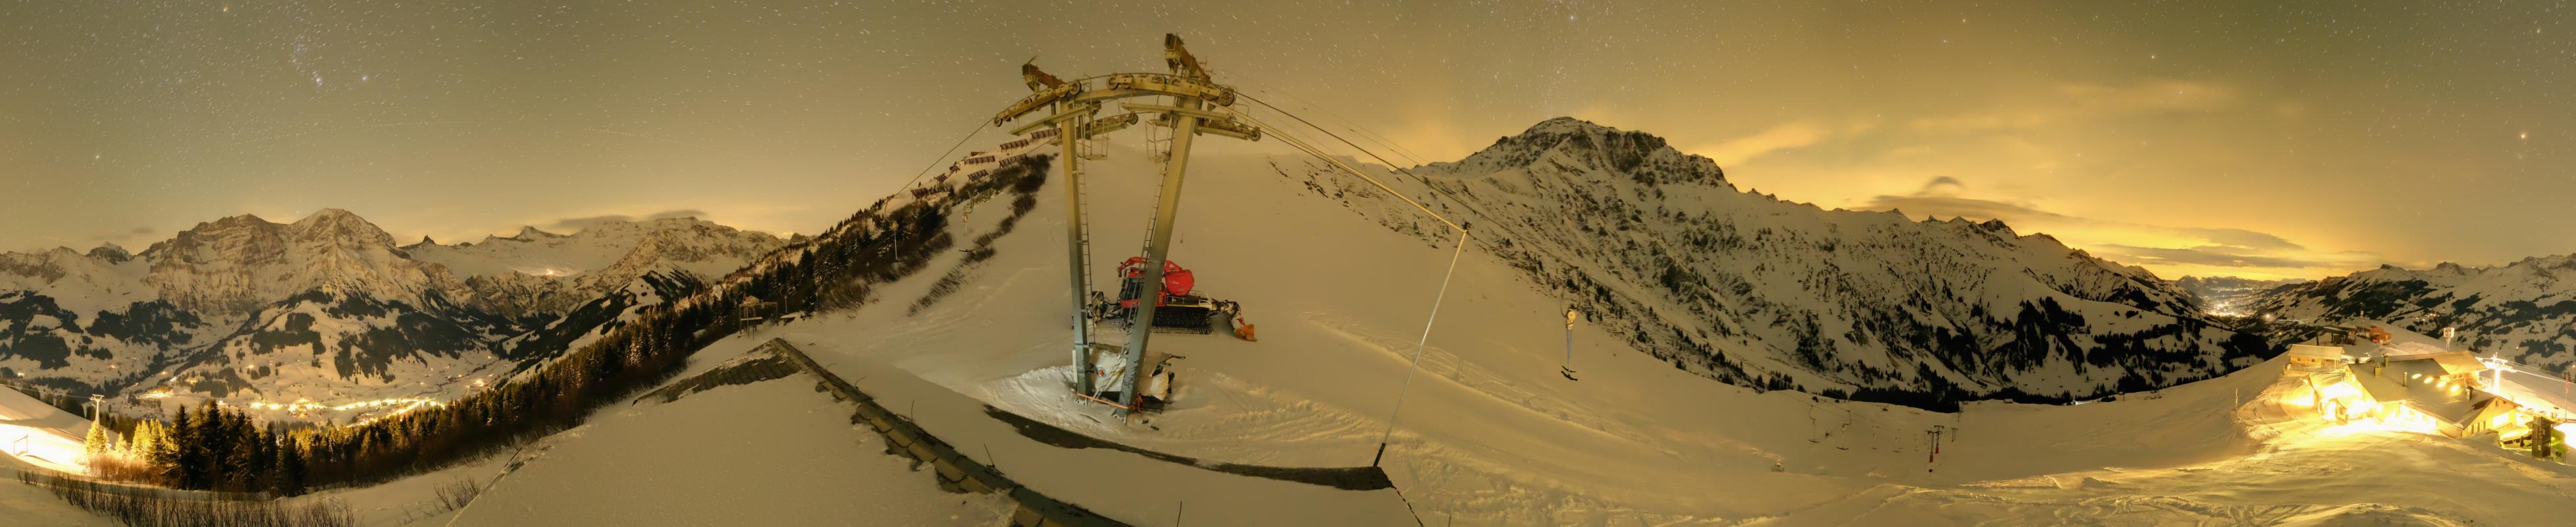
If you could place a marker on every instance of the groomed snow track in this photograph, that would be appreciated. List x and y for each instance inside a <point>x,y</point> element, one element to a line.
<point>958,472</point>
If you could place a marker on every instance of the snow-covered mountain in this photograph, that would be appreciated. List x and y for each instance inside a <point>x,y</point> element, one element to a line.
<point>1748,289</point>
<point>536,271</point>
<point>329,308</point>
<point>2525,310</point>
<point>326,345</point>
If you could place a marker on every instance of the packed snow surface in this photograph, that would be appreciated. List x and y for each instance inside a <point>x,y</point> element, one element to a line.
<point>1492,433</point>
<point>768,453</point>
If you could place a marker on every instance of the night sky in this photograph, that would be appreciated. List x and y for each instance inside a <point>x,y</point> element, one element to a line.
<point>2189,137</point>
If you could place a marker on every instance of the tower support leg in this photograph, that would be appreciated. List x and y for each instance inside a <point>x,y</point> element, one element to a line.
<point>1157,246</point>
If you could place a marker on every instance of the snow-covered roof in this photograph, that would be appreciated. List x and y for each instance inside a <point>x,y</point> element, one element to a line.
<point>2409,349</point>
<point>2323,352</point>
<point>2418,383</point>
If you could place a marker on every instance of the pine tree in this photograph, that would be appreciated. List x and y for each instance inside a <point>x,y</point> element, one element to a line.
<point>146,436</point>
<point>100,440</point>
<point>171,456</point>
<point>286,475</point>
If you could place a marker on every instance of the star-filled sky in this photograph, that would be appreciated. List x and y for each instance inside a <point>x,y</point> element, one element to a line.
<point>2213,137</point>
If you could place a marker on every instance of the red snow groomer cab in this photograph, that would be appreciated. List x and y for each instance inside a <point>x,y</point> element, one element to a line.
<point>1176,309</point>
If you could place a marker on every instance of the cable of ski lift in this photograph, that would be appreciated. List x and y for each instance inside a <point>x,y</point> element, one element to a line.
<point>1301,145</point>
<point>943,156</point>
<point>1426,183</point>
<point>1261,85</point>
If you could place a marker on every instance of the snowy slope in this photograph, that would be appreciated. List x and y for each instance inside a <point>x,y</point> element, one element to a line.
<point>326,349</point>
<point>769,453</point>
<point>2525,311</point>
<point>1490,434</point>
<point>1747,289</point>
<point>39,434</point>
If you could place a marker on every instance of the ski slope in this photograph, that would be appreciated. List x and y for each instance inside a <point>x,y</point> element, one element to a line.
<point>768,453</point>
<point>1492,434</point>
<point>39,434</point>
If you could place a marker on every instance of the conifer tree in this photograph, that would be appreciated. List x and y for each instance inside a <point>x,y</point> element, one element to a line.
<point>172,453</point>
<point>147,436</point>
<point>100,440</point>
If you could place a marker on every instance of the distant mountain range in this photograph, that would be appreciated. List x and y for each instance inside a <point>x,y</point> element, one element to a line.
<point>328,309</point>
<point>2524,311</point>
<point>1748,289</point>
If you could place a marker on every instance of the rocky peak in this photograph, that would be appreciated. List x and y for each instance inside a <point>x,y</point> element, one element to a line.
<point>340,229</point>
<point>1568,141</point>
<point>245,239</point>
<point>110,253</point>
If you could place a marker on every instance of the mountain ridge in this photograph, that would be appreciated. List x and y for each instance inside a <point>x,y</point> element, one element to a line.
<point>1749,289</point>
<point>214,303</point>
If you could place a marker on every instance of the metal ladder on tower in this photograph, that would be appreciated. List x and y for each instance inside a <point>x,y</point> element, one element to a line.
<point>1082,149</point>
<point>1158,147</point>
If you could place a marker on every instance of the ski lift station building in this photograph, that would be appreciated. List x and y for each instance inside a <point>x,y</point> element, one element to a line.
<point>2423,388</point>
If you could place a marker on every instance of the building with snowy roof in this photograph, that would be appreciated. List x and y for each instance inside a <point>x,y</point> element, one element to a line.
<point>2424,391</point>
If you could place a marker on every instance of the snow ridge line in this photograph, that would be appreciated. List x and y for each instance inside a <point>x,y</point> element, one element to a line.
<point>957,473</point>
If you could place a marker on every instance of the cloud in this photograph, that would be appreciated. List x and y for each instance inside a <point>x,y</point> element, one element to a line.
<point>2196,250</point>
<point>1954,206</point>
<point>134,236</point>
<point>2074,101</point>
<point>2209,255</point>
<point>586,222</point>
<point>1942,198</point>
<point>1785,136</point>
